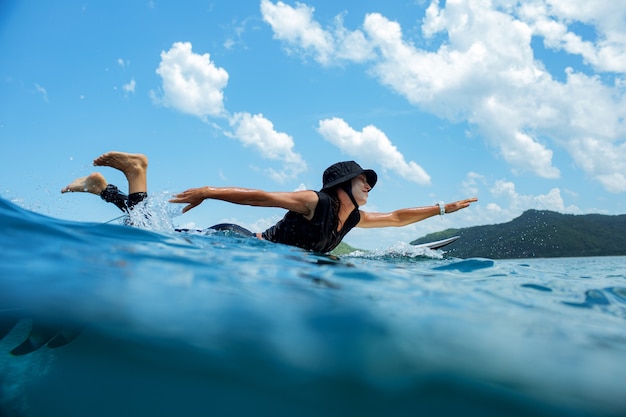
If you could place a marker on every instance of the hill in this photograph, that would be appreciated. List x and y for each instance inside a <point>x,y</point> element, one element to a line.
<point>342,249</point>
<point>539,234</point>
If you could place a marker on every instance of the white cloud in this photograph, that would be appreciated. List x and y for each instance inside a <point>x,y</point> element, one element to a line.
<point>296,27</point>
<point>258,132</point>
<point>351,45</point>
<point>608,162</point>
<point>191,82</point>
<point>476,78</point>
<point>551,19</point>
<point>235,30</point>
<point>517,203</point>
<point>130,87</point>
<point>502,201</point>
<point>42,91</point>
<point>371,145</point>
<point>485,72</point>
<point>472,182</point>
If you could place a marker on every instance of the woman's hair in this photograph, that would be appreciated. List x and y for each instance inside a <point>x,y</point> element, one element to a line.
<point>335,204</point>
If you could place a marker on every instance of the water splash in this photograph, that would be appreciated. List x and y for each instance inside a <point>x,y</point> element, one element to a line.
<point>401,251</point>
<point>155,213</point>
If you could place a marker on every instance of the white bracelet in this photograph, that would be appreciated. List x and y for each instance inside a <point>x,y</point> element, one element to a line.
<point>442,208</point>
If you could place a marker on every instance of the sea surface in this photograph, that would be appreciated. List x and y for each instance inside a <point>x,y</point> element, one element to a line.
<point>112,320</point>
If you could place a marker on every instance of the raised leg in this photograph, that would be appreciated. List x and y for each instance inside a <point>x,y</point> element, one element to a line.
<point>134,167</point>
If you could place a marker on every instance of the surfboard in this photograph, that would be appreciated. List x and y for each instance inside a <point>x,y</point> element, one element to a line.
<point>438,244</point>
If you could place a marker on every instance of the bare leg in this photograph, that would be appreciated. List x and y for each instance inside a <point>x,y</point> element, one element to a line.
<point>93,183</point>
<point>134,167</point>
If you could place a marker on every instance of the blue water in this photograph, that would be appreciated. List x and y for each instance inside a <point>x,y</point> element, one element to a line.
<point>174,324</point>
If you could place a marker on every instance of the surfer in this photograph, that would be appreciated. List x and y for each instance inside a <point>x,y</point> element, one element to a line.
<point>315,220</point>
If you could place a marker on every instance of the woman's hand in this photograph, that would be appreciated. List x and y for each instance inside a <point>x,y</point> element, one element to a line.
<point>193,197</point>
<point>458,205</point>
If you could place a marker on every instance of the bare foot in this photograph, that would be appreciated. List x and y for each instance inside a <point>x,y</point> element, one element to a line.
<point>125,162</point>
<point>133,165</point>
<point>93,183</point>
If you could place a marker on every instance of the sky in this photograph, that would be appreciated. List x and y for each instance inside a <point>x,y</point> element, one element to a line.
<point>521,104</point>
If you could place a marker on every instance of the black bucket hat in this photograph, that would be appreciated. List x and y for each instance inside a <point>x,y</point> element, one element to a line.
<point>344,171</point>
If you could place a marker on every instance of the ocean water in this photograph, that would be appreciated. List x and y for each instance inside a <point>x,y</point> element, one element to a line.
<point>111,320</point>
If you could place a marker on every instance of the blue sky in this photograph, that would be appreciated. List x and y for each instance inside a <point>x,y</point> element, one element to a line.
<point>521,104</point>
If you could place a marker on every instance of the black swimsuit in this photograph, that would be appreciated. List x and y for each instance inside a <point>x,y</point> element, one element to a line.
<point>318,234</point>
<point>112,194</point>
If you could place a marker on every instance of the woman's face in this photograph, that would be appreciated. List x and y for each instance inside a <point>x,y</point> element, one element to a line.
<point>360,189</point>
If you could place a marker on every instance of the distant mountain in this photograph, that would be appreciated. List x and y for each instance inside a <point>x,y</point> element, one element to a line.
<point>342,249</point>
<point>539,234</point>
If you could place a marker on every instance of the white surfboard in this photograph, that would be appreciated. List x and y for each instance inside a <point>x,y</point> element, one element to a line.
<point>439,243</point>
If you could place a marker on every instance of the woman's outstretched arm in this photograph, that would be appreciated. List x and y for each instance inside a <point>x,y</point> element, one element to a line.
<point>303,202</point>
<point>403,217</point>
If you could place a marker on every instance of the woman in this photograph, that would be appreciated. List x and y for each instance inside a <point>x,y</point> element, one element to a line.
<point>315,220</point>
